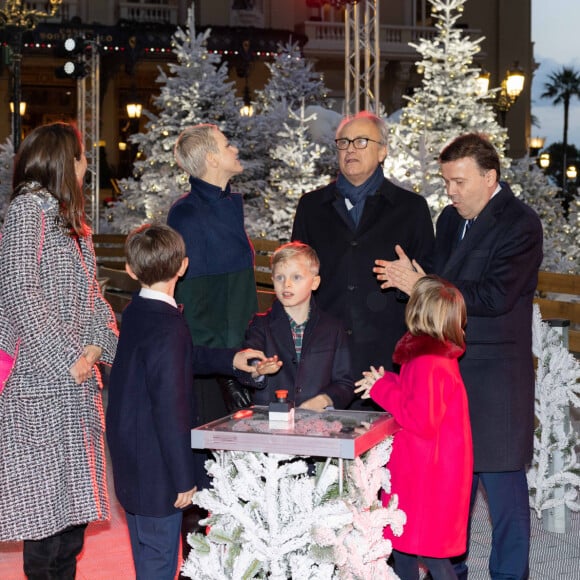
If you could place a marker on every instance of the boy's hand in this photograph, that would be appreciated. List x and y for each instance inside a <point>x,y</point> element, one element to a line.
<point>268,366</point>
<point>243,357</point>
<point>184,498</point>
<point>367,382</point>
<point>317,403</point>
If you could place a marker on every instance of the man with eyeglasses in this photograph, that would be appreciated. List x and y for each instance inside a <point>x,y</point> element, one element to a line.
<point>353,221</point>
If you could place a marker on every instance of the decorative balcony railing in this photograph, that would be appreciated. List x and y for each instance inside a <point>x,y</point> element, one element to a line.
<point>328,37</point>
<point>153,12</point>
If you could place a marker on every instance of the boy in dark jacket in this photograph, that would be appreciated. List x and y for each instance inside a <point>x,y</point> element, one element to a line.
<point>308,348</point>
<point>151,402</point>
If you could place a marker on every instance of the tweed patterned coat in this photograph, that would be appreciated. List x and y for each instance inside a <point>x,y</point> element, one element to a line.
<point>52,461</point>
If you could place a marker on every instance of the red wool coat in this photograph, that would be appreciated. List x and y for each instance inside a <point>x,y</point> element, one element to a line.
<point>432,460</point>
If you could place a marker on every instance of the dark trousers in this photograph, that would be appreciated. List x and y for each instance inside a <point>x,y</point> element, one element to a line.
<point>509,510</point>
<point>155,545</point>
<point>55,557</point>
<point>406,566</point>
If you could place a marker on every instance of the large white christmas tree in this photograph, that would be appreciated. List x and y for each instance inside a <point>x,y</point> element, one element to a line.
<point>196,90</point>
<point>292,162</point>
<point>294,171</point>
<point>446,105</point>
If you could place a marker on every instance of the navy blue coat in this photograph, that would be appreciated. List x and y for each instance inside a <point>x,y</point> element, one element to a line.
<point>151,409</point>
<point>496,268</point>
<point>324,366</point>
<point>373,318</point>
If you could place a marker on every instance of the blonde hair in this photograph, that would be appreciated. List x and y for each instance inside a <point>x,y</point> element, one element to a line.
<point>437,308</point>
<point>293,250</point>
<point>192,147</point>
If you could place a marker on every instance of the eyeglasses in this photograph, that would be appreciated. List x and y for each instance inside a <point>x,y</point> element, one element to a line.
<point>358,143</point>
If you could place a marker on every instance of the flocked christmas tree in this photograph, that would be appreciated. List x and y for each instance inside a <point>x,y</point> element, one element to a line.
<point>196,90</point>
<point>293,85</point>
<point>6,170</point>
<point>561,234</point>
<point>294,171</point>
<point>554,475</point>
<point>270,519</point>
<point>447,104</point>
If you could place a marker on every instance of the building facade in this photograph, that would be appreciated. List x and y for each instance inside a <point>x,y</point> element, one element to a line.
<point>135,36</point>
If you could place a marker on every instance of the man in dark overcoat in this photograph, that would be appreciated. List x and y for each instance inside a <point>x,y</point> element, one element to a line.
<point>489,244</point>
<point>352,222</point>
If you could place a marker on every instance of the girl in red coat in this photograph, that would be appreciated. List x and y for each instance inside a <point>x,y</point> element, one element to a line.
<point>432,460</point>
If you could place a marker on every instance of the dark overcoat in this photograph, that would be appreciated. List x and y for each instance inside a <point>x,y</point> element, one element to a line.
<point>373,318</point>
<point>151,407</point>
<point>496,269</point>
<point>324,365</point>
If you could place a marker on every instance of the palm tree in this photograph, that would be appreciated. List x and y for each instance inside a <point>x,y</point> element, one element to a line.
<point>564,84</point>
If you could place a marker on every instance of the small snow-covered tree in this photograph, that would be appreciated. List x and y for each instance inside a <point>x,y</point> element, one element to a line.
<point>6,170</point>
<point>557,390</point>
<point>446,105</point>
<point>270,519</point>
<point>294,173</point>
<point>561,254</point>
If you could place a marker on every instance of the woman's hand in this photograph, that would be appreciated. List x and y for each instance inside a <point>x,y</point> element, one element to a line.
<point>92,353</point>
<point>367,382</point>
<point>82,370</point>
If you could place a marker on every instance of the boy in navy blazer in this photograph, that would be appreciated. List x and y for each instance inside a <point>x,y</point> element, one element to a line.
<point>308,348</point>
<point>151,402</point>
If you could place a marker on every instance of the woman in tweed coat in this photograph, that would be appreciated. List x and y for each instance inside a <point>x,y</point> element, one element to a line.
<point>52,461</point>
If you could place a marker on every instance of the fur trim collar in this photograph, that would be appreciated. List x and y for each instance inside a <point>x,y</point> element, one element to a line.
<point>410,347</point>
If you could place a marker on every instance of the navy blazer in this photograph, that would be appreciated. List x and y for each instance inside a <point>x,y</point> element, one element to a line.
<point>496,268</point>
<point>373,318</point>
<point>324,365</point>
<point>151,407</point>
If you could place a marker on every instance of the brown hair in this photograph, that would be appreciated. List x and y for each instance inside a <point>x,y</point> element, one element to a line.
<point>474,145</point>
<point>154,252</point>
<point>293,250</point>
<point>437,308</point>
<point>47,157</point>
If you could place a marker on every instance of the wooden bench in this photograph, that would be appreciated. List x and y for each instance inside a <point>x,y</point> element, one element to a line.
<point>110,250</point>
<point>118,286</point>
<point>558,296</point>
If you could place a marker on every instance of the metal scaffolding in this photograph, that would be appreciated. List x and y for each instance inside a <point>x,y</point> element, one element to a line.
<point>361,56</point>
<point>88,116</point>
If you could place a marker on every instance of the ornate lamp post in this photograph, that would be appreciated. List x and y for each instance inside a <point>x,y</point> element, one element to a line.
<point>16,19</point>
<point>511,88</point>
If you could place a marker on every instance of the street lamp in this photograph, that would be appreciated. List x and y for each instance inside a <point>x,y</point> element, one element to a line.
<point>544,160</point>
<point>571,172</point>
<point>16,19</point>
<point>535,144</point>
<point>510,89</point>
<point>247,109</point>
<point>134,110</point>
